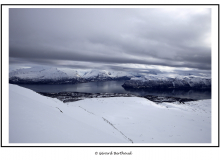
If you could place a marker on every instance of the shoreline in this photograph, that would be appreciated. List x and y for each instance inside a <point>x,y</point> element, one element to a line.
<point>76,96</point>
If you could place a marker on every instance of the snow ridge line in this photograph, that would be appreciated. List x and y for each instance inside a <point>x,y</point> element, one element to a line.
<point>117,129</point>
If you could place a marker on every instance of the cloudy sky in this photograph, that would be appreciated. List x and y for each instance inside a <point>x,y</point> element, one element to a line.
<point>164,39</point>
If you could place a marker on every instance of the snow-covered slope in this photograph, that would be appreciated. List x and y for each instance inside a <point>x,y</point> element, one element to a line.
<point>106,75</point>
<point>144,121</point>
<point>35,118</point>
<point>70,73</point>
<point>158,81</point>
<point>95,74</point>
<point>40,75</point>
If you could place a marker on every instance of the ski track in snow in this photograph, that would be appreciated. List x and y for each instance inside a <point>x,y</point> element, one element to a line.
<point>117,129</point>
<point>109,124</point>
<point>59,110</point>
<point>86,110</point>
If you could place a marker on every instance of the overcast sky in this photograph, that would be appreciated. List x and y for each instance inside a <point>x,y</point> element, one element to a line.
<point>108,38</point>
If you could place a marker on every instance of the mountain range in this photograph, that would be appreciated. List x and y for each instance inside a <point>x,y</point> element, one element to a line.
<point>50,75</point>
<point>162,82</point>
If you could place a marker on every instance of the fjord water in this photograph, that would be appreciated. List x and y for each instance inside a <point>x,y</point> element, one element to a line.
<point>116,87</point>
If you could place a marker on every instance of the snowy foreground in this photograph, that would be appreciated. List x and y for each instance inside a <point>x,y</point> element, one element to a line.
<point>34,118</point>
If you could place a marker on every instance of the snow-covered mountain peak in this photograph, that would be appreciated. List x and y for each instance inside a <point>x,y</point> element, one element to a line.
<point>97,74</point>
<point>70,72</point>
<point>38,73</point>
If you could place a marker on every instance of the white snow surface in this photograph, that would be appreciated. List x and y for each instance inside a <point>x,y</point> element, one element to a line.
<point>71,73</point>
<point>105,74</point>
<point>34,118</point>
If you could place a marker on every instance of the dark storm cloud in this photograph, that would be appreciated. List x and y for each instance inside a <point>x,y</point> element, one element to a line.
<point>110,37</point>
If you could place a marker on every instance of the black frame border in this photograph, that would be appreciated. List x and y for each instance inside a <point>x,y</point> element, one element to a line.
<point>110,5</point>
